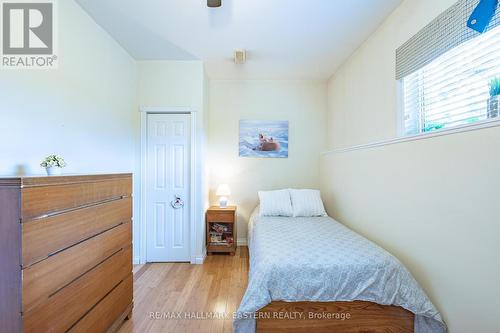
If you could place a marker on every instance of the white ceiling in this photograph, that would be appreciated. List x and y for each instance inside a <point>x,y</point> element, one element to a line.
<point>285,39</point>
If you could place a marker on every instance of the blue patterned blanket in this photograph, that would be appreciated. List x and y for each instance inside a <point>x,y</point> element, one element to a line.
<point>319,259</point>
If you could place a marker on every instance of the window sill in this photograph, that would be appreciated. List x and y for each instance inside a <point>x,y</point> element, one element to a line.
<point>445,131</point>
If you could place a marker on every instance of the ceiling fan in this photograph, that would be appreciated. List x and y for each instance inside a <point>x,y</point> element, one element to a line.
<point>214,3</point>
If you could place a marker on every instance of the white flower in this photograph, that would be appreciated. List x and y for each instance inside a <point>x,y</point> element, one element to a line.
<point>53,161</point>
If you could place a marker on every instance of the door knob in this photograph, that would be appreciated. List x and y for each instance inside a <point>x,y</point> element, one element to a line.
<point>177,202</point>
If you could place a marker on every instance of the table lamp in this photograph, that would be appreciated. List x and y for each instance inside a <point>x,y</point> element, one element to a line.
<point>223,191</point>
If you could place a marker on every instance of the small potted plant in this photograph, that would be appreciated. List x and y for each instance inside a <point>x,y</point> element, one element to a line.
<point>493,101</point>
<point>53,164</point>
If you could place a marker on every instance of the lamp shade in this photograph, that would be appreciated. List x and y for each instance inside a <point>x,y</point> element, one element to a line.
<point>223,190</point>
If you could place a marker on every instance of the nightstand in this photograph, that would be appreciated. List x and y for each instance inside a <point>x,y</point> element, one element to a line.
<point>221,229</point>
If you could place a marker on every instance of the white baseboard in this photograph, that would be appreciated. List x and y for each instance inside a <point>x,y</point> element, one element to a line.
<point>198,260</point>
<point>242,242</point>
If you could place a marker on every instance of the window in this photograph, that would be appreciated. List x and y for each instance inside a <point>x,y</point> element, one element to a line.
<point>454,88</point>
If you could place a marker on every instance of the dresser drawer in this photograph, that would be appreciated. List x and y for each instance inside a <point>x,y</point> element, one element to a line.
<point>43,237</point>
<point>50,275</point>
<point>104,314</point>
<point>40,201</point>
<point>220,217</point>
<point>64,308</point>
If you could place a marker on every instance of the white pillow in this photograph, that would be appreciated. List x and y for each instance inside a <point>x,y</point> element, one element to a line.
<point>275,203</point>
<point>307,203</point>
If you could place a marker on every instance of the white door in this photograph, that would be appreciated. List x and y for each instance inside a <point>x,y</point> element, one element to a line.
<point>168,177</point>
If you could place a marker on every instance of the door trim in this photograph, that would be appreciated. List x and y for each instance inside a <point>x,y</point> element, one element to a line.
<point>194,175</point>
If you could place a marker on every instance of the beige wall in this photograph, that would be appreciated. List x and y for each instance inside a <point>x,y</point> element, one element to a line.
<point>302,103</point>
<point>171,83</point>
<point>85,110</point>
<point>433,203</point>
<point>362,93</point>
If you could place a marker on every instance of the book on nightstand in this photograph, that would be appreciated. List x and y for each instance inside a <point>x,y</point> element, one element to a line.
<point>221,230</point>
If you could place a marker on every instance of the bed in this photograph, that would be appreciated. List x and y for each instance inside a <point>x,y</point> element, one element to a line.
<point>314,265</point>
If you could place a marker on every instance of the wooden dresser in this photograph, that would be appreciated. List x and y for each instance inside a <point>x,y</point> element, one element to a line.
<point>65,253</point>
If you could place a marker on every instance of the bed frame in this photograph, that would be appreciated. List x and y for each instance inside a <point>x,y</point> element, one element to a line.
<point>307,317</point>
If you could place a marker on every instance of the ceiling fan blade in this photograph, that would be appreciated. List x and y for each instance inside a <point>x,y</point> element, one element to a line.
<point>214,3</point>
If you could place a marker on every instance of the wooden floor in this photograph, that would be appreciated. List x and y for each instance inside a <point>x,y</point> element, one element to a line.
<point>190,291</point>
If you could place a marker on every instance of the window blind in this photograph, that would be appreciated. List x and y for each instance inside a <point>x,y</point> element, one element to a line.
<point>453,89</point>
<point>444,33</point>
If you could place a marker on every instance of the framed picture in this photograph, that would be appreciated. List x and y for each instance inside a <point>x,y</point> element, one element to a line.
<point>263,138</point>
